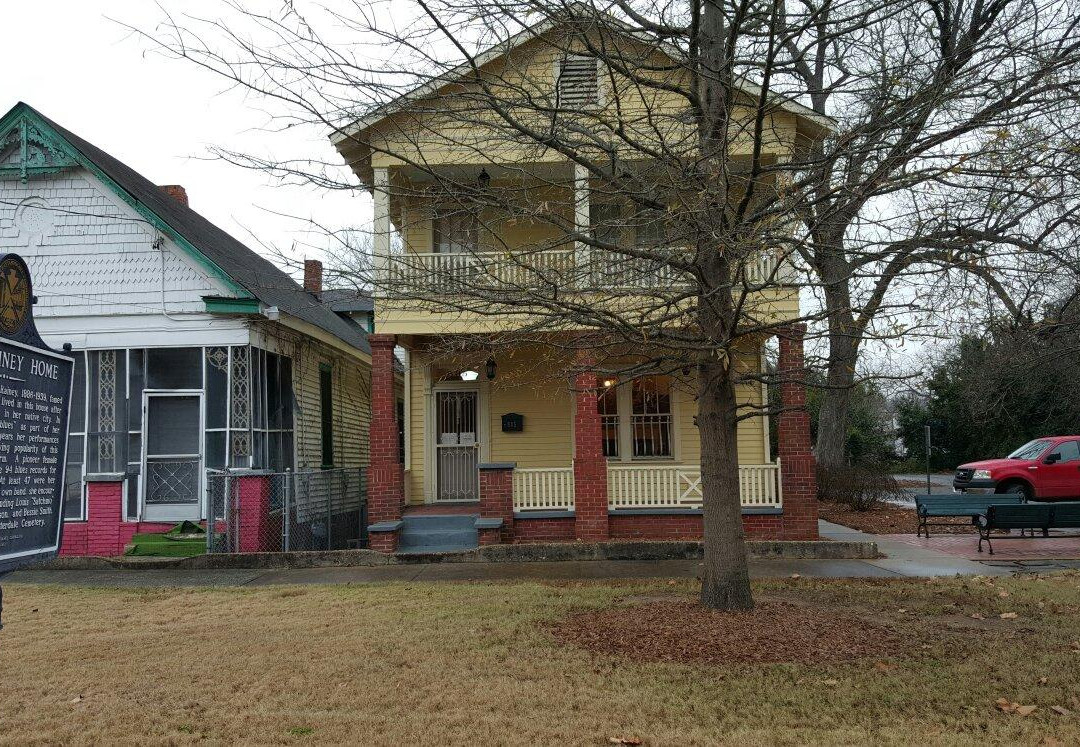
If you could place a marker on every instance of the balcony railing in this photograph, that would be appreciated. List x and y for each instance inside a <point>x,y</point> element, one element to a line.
<point>415,275</point>
<point>643,486</point>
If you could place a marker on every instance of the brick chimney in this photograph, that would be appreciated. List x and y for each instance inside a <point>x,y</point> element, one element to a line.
<point>313,276</point>
<point>176,192</point>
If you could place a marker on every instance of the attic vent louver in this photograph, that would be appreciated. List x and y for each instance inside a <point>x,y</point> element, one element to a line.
<point>578,84</point>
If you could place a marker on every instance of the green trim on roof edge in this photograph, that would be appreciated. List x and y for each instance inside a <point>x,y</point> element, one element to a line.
<point>223,305</point>
<point>22,112</point>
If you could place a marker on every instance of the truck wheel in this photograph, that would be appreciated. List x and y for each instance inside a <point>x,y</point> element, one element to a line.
<point>1020,488</point>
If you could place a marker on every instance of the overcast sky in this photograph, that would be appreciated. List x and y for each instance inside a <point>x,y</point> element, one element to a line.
<point>160,116</point>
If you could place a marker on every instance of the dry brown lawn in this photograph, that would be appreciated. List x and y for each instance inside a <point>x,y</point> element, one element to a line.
<point>479,664</point>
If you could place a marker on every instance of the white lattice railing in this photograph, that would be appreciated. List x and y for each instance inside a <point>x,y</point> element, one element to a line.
<point>679,486</point>
<point>643,486</point>
<point>544,489</point>
<point>424,274</point>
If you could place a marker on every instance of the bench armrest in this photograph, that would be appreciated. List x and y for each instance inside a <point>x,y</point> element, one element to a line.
<point>979,520</point>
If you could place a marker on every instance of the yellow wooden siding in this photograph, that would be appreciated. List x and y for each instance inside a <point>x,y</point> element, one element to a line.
<point>751,432</point>
<point>448,128</point>
<point>547,405</point>
<point>415,438</point>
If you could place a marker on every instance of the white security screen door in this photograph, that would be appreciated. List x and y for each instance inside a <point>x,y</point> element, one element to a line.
<point>172,460</point>
<point>457,445</point>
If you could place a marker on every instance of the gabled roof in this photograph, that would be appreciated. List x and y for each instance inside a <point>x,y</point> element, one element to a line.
<point>339,137</point>
<point>347,300</point>
<point>249,274</point>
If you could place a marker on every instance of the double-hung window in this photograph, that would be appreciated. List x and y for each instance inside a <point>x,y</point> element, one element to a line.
<point>636,418</point>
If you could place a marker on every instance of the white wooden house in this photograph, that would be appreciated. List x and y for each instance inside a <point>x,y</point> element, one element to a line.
<point>192,351</point>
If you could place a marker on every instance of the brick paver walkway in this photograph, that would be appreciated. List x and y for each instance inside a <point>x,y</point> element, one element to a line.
<point>967,546</point>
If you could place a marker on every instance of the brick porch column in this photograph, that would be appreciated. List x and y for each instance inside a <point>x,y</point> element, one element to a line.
<point>797,478</point>
<point>496,503</point>
<point>590,466</point>
<point>104,514</point>
<point>258,532</point>
<point>386,481</point>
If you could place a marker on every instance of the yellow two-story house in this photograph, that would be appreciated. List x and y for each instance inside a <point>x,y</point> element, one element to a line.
<point>504,434</point>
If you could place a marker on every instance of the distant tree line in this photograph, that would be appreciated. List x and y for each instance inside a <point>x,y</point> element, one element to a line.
<point>998,390</point>
<point>870,437</point>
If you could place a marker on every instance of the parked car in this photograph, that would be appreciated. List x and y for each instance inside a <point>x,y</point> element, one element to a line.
<point>1044,468</point>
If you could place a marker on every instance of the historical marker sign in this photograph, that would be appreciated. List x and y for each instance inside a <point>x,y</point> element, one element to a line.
<point>35,399</point>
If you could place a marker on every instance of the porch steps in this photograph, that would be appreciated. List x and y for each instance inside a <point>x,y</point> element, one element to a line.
<point>424,533</point>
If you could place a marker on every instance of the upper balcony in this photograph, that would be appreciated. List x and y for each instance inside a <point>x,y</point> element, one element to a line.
<point>426,276</point>
<point>472,264</point>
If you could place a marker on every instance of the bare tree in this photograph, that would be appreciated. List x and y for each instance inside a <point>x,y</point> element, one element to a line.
<point>713,178</point>
<point>954,152</point>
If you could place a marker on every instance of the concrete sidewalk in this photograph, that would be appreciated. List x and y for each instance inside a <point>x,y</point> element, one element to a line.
<point>902,561</point>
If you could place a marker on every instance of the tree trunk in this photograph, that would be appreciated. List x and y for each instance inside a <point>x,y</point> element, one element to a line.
<point>830,448</point>
<point>726,583</point>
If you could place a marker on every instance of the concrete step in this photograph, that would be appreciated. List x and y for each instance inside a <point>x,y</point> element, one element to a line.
<point>445,532</point>
<point>426,549</point>
<point>459,537</point>
<point>427,522</point>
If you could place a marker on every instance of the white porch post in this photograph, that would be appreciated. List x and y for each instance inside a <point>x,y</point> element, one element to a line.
<point>381,244</point>
<point>581,219</point>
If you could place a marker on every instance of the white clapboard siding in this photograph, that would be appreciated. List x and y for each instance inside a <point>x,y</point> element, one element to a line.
<point>91,254</point>
<point>352,401</point>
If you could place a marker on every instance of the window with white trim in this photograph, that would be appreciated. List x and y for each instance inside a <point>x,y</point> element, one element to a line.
<point>607,404</point>
<point>455,232</point>
<point>578,84</point>
<point>636,418</point>
<point>650,417</point>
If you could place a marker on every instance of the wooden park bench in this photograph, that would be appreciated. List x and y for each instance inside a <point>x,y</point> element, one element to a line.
<point>1028,516</point>
<point>953,505</point>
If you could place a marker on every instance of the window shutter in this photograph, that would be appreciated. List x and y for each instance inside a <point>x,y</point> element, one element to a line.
<point>578,84</point>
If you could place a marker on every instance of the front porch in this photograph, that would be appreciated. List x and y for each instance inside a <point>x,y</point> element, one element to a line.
<point>575,456</point>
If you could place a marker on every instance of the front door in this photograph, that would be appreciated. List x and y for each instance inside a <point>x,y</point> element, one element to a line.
<point>457,445</point>
<point>172,458</point>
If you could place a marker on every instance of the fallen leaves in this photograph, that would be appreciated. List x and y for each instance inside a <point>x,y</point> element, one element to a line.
<point>624,740</point>
<point>1008,615</point>
<point>774,631</point>
<point>1060,710</point>
<point>1006,706</point>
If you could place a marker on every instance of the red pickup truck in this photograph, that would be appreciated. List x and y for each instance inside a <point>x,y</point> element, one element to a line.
<point>1044,468</point>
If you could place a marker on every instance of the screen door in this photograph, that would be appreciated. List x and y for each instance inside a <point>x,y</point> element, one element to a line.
<point>172,463</point>
<point>457,445</point>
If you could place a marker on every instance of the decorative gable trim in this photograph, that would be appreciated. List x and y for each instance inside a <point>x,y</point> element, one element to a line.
<point>36,152</point>
<point>49,152</point>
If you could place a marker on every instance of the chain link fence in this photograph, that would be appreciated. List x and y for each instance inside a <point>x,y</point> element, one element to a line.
<point>287,511</point>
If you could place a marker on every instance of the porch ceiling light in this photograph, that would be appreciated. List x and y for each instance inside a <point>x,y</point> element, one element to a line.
<point>469,375</point>
<point>608,383</point>
<point>489,369</point>
<point>484,179</point>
